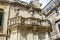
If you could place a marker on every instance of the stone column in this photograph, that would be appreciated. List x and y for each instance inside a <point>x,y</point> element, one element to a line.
<point>18,34</point>
<point>43,36</point>
<point>23,34</point>
<point>49,36</point>
<point>13,34</point>
<point>6,13</point>
<point>46,36</point>
<point>30,35</point>
<point>35,37</point>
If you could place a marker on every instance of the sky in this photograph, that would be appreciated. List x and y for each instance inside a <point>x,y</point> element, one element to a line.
<point>26,1</point>
<point>43,2</point>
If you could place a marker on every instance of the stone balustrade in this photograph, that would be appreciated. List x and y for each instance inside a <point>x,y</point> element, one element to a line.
<point>28,21</point>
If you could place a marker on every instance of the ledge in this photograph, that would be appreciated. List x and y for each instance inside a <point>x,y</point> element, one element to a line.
<point>20,4</point>
<point>57,21</point>
<point>2,34</point>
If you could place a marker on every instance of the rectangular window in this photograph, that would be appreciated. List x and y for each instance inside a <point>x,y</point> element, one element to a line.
<point>57,12</point>
<point>59,26</point>
<point>1,18</point>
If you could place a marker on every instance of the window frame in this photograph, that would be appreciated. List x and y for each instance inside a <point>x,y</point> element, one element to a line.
<point>57,12</point>
<point>1,27</point>
<point>2,17</point>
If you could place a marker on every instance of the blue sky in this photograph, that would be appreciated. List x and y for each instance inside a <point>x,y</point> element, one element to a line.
<point>44,2</point>
<point>26,1</point>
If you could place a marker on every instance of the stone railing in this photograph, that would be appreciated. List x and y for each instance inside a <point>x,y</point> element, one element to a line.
<point>28,21</point>
<point>50,6</point>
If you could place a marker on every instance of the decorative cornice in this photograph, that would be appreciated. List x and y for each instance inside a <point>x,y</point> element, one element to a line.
<point>20,4</point>
<point>2,34</point>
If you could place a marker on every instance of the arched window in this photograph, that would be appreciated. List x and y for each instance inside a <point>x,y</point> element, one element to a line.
<point>1,16</point>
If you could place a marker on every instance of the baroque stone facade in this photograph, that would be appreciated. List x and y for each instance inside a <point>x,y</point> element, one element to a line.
<point>22,21</point>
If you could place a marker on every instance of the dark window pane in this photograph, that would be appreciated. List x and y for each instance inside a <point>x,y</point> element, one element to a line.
<point>57,12</point>
<point>59,26</point>
<point>1,17</point>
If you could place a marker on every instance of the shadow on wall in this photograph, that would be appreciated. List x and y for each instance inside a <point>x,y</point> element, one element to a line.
<point>28,34</point>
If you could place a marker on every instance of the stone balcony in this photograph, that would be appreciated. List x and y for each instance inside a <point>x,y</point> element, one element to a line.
<point>29,23</point>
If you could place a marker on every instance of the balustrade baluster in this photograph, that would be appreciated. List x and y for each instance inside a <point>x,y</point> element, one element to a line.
<point>29,21</point>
